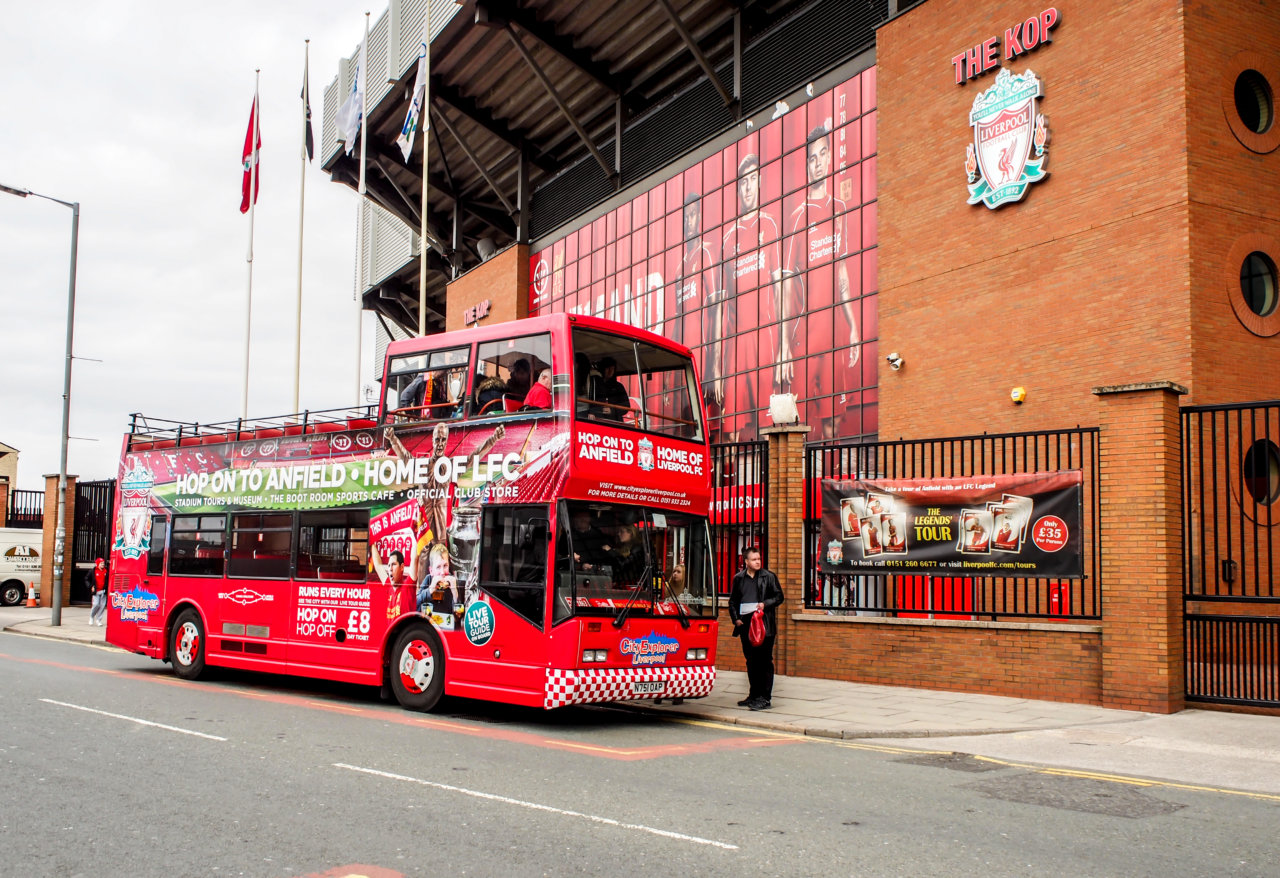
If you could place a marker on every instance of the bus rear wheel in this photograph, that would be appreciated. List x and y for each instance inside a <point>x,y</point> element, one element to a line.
<point>186,645</point>
<point>417,668</point>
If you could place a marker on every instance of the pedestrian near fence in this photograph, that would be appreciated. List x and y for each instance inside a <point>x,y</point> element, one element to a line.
<point>98,582</point>
<point>753,587</point>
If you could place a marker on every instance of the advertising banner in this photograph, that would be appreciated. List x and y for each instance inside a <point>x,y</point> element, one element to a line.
<point>1026,525</point>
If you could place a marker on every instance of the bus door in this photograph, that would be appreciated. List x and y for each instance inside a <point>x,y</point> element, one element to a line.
<point>135,593</point>
<point>499,639</point>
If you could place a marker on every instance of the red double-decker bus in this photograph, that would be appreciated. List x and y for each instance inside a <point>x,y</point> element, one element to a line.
<point>522,518</point>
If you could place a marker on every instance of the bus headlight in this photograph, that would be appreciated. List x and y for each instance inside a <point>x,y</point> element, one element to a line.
<point>595,655</point>
<point>694,655</point>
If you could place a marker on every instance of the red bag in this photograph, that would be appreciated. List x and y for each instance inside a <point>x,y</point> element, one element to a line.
<point>755,631</point>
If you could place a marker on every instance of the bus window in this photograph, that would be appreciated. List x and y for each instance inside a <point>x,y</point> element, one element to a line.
<point>669,393</point>
<point>333,544</point>
<point>196,545</point>
<point>261,545</point>
<point>513,568</point>
<point>155,554</point>
<point>427,386</point>
<point>608,556</point>
<point>505,371</point>
<point>624,383</point>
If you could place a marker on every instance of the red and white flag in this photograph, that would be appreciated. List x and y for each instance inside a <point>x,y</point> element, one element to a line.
<point>249,158</point>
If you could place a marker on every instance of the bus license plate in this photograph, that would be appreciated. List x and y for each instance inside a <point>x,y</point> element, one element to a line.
<point>648,687</point>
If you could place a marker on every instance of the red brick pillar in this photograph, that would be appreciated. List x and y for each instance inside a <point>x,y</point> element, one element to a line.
<point>4,502</point>
<point>50,539</point>
<point>1140,476</point>
<point>785,518</point>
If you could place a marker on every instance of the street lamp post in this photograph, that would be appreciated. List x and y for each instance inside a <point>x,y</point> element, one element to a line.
<point>60,533</point>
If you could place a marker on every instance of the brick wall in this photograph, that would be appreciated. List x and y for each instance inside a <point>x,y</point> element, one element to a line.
<point>1084,282</point>
<point>1018,660</point>
<point>50,539</point>
<point>1234,192</point>
<point>503,282</point>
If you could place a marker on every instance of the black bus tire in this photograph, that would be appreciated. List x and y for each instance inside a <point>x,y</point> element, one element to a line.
<point>186,645</point>
<point>416,667</point>
<point>12,593</point>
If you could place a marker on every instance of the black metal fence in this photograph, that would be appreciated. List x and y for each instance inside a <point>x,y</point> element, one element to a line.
<point>957,596</point>
<point>26,509</point>
<point>1231,539</point>
<point>92,520</point>
<point>739,502</point>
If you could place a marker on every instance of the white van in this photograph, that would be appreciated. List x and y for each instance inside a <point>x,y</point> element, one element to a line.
<point>19,563</point>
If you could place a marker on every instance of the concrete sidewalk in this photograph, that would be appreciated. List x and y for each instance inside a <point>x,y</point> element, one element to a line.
<point>1195,747</point>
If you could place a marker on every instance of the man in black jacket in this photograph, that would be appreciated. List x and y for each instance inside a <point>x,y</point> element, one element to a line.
<point>752,586</point>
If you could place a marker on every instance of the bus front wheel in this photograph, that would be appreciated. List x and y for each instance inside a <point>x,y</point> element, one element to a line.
<point>417,668</point>
<point>186,645</point>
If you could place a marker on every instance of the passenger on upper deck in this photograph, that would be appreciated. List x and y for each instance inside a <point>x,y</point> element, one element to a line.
<point>611,390</point>
<point>539,396</point>
<point>518,384</point>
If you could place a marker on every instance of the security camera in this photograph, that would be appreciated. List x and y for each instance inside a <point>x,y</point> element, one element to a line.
<point>895,361</point>
<point>1018,395</point>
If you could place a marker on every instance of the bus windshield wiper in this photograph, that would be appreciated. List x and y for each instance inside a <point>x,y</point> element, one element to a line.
<point>621,618</point>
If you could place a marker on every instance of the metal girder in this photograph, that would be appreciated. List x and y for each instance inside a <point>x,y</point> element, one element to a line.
<point>470,154</point>
<point>559,101</point>
<point>487,216</point>
<point>465,106</point>
<point>692,44</point>
<point>414,210</point>
<point>561,45</point>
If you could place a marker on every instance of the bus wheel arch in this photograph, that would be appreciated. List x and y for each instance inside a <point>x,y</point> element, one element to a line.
<point>186,642</point>
<point>416,666</point>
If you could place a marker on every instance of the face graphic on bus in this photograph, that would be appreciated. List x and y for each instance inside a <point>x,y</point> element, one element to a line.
<point>439,561</point>
<point>395,568</point>
<point>692,220</point>
<point>749,190</point>
<point>439,439</point>
<point>819,161</point>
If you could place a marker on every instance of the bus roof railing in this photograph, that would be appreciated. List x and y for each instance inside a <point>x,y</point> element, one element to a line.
<point>146,433</point>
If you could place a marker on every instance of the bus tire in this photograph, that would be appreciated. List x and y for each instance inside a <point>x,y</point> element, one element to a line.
<point>12,593</point>
<point>186,645</point>
<point>416,667</point>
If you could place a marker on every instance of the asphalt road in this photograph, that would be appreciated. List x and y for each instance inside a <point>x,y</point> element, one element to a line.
<point>110,766</point>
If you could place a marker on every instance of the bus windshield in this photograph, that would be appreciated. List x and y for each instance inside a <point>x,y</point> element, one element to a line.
<point>628,383</point>
<point>610,558</point>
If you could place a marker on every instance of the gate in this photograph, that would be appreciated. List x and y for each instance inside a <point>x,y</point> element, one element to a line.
<point>739,503</point>
<point>91,533</point>
<point>1231,520</point>
<point>956,597</point>
<point>26,509</point>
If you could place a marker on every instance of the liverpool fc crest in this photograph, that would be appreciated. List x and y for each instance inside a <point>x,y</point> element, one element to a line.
<point>1007,154</point>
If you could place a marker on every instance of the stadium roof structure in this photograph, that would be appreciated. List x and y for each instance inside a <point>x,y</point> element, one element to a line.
<point>530,93</point>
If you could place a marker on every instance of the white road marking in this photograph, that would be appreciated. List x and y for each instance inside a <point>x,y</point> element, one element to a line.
<point>132,719</point>
<point>607,821</point>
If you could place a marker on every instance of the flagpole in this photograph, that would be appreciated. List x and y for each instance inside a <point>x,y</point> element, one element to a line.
<point>253,203</point>
<point>425,116</point>
<point>360,230</point>
<point>302,200</point>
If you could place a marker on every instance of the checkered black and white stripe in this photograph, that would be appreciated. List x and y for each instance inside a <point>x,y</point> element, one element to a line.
<point>595,685</point>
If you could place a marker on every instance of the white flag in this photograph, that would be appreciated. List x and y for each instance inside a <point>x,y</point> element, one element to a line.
<point>410,126</point>
<point>351,113</point>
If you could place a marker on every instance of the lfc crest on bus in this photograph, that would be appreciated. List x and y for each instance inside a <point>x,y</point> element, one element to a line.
<point>1007,154</point>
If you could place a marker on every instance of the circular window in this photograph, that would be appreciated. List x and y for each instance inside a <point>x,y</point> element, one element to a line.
<point>1254,101</point>
<point>1247,93</point>
<point>1258,283</point>
<point>1251,282</point>
<point>1261,471</point>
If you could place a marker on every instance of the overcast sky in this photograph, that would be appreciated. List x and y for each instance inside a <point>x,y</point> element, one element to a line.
<point>138,110</point>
